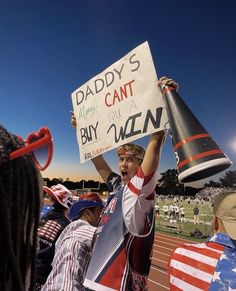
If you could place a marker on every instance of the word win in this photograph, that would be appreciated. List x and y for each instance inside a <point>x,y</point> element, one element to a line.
<point>129,129</point>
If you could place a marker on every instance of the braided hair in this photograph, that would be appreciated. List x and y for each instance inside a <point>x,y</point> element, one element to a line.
<point>19,215</point>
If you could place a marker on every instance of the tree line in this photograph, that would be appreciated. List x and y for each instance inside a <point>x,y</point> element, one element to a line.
<point>167,184</point>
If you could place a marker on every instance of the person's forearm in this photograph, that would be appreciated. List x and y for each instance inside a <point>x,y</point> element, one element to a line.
<point>102,167</point>
<point>152,155</point>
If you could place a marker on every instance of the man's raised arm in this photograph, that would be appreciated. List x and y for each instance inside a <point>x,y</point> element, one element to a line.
<point>152,155</point>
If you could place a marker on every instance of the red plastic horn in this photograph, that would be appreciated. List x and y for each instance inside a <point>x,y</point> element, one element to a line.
<point>197,154</point>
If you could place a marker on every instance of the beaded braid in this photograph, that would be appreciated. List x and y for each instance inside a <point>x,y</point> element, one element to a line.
<point>19,215</point>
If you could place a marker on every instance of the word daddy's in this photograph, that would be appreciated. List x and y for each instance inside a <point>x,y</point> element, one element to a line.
<point>119,105</point>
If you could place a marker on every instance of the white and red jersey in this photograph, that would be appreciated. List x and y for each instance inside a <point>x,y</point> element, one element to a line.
<point>122,253</point>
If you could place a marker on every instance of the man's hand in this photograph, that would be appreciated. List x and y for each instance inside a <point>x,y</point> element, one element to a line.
<point>164,81</point>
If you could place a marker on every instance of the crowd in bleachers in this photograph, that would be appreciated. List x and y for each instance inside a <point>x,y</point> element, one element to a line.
<point>209,193</point>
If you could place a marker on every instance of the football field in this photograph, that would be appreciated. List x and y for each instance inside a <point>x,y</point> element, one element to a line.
<point>185,228</point>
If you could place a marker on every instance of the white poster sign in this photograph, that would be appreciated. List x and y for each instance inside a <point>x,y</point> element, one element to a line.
<point>119,105</point>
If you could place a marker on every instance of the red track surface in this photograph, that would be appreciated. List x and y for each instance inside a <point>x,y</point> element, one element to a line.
<point>163,247</point>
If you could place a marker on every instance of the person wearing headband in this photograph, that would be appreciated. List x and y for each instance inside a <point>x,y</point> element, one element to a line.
<point>121,256</point>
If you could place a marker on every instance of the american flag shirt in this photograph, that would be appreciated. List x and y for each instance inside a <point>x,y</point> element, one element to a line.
<point>204,266</point>
<point>122,252</point>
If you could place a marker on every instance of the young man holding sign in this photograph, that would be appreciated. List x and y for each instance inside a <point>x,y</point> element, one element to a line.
<point>122,252</point>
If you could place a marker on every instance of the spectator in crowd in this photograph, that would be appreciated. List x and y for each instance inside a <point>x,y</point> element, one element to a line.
<point>210,265</point>
<point>208,193</point>
<point>74,245</point>
<point>196,219</point>
<point>51,226</point>
<point>48,202</point>
<point>127,225</point>
<point>21,197</point>
<point>165,210</point>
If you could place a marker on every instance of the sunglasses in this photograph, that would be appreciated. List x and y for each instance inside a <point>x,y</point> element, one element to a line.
<point>40,145</point>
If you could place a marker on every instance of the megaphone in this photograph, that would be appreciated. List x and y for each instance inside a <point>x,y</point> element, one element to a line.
<point>197,155</point>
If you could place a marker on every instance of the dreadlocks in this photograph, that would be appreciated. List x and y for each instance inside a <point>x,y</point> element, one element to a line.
<point>19,215</point>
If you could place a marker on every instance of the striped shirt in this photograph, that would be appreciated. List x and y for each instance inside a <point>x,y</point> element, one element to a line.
<point>72,255</point>
<point>204,266</point>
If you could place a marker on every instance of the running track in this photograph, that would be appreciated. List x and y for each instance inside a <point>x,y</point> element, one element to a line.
<point>163,246</point>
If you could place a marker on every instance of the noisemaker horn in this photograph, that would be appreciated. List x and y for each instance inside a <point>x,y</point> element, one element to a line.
<point>197,155</point>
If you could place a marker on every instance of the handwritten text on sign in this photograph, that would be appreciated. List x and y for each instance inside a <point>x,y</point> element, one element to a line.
<point>120,105</point>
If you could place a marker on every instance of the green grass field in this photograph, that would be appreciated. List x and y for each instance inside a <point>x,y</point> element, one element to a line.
<point>205,213</point>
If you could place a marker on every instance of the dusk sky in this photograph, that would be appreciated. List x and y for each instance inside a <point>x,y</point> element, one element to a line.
<point>50,48</point>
